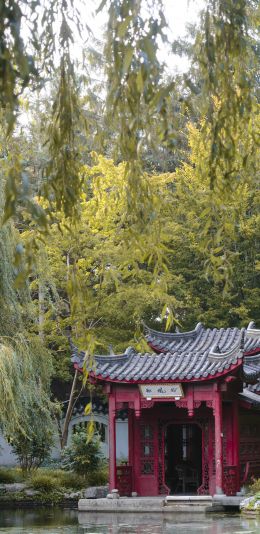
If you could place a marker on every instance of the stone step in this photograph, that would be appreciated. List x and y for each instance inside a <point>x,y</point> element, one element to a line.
<point>188,503</point>
<point>189,498</point>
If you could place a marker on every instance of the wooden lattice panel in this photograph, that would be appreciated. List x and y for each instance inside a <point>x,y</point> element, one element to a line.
<point>147,449</point>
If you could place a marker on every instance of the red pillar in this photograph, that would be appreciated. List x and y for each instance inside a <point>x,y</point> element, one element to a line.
<point>112,442</point>
<point>218,441</point>
<point>130,436</point>
<point>136,443</point>
<point>235,440</point>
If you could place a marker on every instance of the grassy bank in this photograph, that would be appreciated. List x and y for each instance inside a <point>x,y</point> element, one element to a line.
<point>45,486</point>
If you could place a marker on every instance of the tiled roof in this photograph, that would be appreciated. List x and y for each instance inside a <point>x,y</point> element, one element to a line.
<point>251,397</point>
<point>215,342</point>
<point>197,355</point>
<point>255,388</point>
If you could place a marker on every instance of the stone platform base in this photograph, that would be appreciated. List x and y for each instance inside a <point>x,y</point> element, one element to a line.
<point>164,504</point>
<point>123,504</point>
<point>222,503</point>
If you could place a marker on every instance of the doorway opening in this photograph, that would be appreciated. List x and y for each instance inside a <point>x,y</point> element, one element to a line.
<point>183,458</point>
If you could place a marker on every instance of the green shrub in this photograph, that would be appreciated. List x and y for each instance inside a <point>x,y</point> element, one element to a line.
<point>73,480</point>
<point>44,482</point>
<point>9,475</point>
<point>32,449</point>
<point>44,497</point>
<point>255,486</point>
<point>67,479</point>
<point>99,478</point>
<point>50,497</point>
<point>48,479</point>
<point>82,456</point>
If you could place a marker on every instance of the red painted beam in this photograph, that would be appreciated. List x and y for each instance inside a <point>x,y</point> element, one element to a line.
<point>218,442</point>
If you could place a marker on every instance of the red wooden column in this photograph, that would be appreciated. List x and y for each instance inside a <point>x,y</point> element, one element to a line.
<point>218,441</point>
<point>112,441</point>
<point>235,440</point>
<point>130,436</point>
<point>136,442</point>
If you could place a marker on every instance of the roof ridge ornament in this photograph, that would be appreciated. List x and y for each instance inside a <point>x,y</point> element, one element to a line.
<point>216,354</point>
<point>103,358</point>
<point>111,350</point>
<point>173,335</point>
<point>252,331</point>
<point>242,339</point>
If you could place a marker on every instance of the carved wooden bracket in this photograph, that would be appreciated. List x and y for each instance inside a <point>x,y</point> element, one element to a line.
<point>210,404</point>
<point>147,403</point>
<point>181,403</point>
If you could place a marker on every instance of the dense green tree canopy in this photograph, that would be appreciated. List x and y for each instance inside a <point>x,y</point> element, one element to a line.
<point>127,196</point>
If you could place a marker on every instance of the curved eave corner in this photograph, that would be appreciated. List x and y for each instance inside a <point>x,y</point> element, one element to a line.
<point>252,331</point>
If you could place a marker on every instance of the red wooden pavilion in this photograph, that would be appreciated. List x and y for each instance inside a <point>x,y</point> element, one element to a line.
<point>193,411</point>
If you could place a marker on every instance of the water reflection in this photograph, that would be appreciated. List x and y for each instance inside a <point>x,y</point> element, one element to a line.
<point>167,523</point>
<point>55,521</point>
<point>39,520</point>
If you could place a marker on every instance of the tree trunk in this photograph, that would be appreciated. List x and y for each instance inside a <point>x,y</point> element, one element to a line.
<point>65,430</point>
<point>41,310</point>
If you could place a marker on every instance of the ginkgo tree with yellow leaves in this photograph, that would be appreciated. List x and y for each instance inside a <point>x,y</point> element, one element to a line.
<point>100,282</point>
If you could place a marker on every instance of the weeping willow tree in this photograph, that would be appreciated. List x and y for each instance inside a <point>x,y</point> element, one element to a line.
<point>25,365</point>
<point>137,95</point>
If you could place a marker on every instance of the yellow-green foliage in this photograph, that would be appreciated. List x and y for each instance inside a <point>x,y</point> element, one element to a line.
<point>53,479</point>
<point>24,370</point>
<point>9,475</point>
<point>255,486</point>
<point>99,478</point>
<point>25,364</point>
<point>109,281</point>
<point>112,279</point>
<point>44,482</point>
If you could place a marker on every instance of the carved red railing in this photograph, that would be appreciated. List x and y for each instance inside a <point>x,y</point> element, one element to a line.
<point>124,480</point>
<point>230,479</point>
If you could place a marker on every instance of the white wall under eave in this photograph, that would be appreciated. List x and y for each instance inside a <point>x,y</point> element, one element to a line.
<point>121,434</point>
<point>122,440</point>
<point>98,418</point>
<point>7,458</point>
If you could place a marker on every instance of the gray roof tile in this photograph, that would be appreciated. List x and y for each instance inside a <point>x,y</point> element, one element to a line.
<point>199,354</point>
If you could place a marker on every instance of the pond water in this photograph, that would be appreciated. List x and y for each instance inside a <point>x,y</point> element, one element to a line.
<point>71,522</point>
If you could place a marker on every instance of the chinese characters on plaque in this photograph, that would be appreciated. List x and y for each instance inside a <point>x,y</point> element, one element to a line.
<point>161,390</point>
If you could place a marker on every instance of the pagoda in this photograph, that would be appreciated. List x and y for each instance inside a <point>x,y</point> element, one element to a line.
<point>193,407</point>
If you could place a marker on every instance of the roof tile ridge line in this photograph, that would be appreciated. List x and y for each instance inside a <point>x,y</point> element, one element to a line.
<point>253,375</point>
<point>237,348</point>
<point>174,335</point>
<point>251,331</point>
<point>129,352</point>
<point>252,358</point>
<point>248,393</point>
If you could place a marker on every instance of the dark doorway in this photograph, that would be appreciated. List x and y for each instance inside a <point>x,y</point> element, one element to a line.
<point>183,453</point>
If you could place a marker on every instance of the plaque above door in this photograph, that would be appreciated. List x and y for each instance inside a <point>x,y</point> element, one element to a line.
<point>167,390</point>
